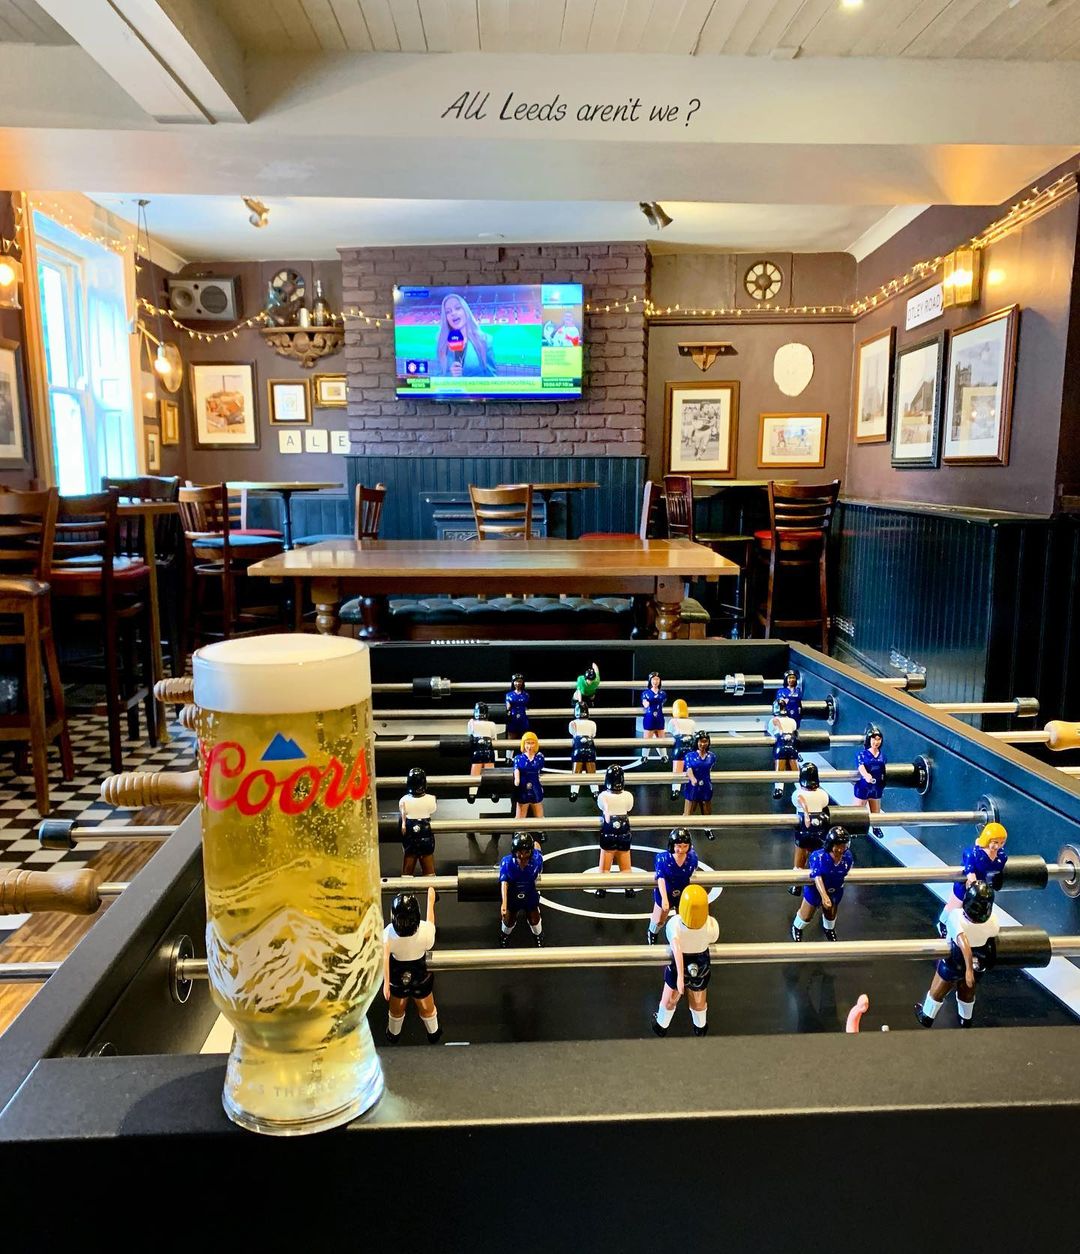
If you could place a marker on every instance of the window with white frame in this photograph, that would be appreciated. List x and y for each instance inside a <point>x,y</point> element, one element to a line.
<point>87,356</point>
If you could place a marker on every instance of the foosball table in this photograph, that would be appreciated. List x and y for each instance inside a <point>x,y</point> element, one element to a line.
<point>117,1061</point>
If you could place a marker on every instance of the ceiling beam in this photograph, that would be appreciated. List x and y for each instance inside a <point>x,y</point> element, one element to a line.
<point>175,58</point>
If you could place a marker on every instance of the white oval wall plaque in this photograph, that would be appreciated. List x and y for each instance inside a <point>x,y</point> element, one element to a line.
<point>925,307</point>
<point>793,368</point>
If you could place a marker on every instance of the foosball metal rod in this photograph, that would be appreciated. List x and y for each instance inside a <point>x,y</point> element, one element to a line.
<point>65,833</point>
<point>482,883</point>
<point>456,744</point>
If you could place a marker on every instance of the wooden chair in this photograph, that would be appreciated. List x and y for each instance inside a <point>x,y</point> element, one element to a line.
<point>502,513</point>
<point>27,529</point>
<point>650,500</point>
<point>96,587</point>
<point>217,554</point>
<point>367,515</point>
<point>796,542</point>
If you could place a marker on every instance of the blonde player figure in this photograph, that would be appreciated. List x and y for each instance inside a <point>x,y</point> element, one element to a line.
<point>482,733</point>
<point>406,944</point>
<point>681,728</point>
<point>583,749</point>
<point>689,933</point>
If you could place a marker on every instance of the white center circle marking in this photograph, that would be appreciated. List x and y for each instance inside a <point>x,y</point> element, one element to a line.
<point>605,914</point>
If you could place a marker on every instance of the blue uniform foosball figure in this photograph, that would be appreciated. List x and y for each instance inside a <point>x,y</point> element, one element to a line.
<point>673,868</point>
<point>828,870</point>
<point>983,861</point>
<point>690,933</point>
<point>518,873</point>
<point>972,931</point>
<point>652,720</point>
<point>406,944</point>
<point>528,790</point>
<point>698,788</point>
<point>517,708</point>
<point>682,729</point>
<point>791,692</point>
<point>870,763</point>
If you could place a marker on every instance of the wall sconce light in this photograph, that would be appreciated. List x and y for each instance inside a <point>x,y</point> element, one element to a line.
<point>656,214</point>
<point>260,214</point>
<point>11,273</point>
<point>961,283</point>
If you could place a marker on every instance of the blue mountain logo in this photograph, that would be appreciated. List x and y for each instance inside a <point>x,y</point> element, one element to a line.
<point>282,749</point>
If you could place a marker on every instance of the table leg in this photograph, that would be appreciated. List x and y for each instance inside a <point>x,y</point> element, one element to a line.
<point>150,555</point>
<point>375,612</point>
<point>644,615</point>
<point>286,530</point>
<point>326,595</point>
<point>667,600</point>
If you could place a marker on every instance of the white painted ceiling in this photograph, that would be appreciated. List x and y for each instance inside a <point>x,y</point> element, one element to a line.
<point>217,227</point>
<point>24,22</point>
<point>1030,30</point>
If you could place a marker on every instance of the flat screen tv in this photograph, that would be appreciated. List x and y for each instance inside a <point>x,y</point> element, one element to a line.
<point>511,343</point>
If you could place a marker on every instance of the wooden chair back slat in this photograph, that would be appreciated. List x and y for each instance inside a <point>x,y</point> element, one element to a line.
<point>367,515</point>
<point>502,513</point>
<point>29,530</point>
<point>797,507</point>
<point>679,500</point>
<point>650,499</point>
<point>86,536</point>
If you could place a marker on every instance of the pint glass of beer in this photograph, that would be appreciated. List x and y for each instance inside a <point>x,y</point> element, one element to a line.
<point>290,853</point>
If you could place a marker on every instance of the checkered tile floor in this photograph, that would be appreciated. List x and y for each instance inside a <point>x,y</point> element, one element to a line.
<point>81,798</point>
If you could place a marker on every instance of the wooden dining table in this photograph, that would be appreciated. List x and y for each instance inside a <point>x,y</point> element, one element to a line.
<point>656,569</point>
<point>285,489</point>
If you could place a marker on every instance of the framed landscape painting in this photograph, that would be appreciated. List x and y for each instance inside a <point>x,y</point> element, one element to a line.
<point>979,397</point>
<point>916,440</point>
<point>223,405</point>
<point>873,388</point>
<point>792,440</point>
<point>700,426</point>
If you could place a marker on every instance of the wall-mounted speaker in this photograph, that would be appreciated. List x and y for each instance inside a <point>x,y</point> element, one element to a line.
<point>206,299</point>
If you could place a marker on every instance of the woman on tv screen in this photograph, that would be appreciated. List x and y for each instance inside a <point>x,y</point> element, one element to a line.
<point>462,348</point>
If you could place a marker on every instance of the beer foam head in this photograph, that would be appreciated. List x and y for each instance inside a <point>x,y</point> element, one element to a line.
<point>281,674</point>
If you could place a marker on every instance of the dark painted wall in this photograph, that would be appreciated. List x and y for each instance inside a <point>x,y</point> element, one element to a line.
<point>1035,269</point>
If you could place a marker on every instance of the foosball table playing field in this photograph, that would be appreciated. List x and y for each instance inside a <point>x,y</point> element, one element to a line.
<point>678,878</point>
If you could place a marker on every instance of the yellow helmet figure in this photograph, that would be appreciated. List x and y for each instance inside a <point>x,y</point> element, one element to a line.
<point>992,831</point>
<point>680,709</point>
<point>694,906</point>
<point>530,738</point>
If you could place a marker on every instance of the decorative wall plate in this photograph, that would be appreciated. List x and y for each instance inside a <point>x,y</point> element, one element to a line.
<point>763,280</point>
<point>793,368</point>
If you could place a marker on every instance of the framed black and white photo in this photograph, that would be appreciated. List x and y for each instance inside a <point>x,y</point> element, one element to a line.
<point>700,427</point>
<point>916,440</point>
<point>979,399</point>
<point>873,388</point>
<point>13,439</point>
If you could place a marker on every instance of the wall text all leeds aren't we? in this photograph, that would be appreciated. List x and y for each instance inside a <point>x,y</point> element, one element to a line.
<point>477,105</point>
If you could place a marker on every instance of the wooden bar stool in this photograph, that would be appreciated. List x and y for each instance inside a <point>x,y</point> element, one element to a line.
<point>797,542</point>
<point>27,528</point>
<point>97,587</point>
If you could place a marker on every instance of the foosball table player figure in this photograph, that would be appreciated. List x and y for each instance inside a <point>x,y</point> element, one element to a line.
<point>615,802</point>
<point>417,839</point>
<point>406,944</point>
<point>984,860</point>
<point>652,719</point>
<point>810,801</point>
<point>791,692</point>
<point>828,870</point>
<point>972,931</point>
<point>681,728</point>
<point>528,791</point>
<point>784,731</point>
<point>588,684</point>
<point>482,733</point>
<point>518,873</point>
<point>517,708</point>
<point>870,763</point>
<point>698,787</point>
<point>689,933</point>
<point>673,868</point>
<point>583,746</point>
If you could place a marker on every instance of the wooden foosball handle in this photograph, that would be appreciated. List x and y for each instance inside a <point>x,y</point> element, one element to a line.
<point>173,691</point>
<point>31,892</point>
<point>134,789</point>
<point>189,717</point>
<point>1060,735</point>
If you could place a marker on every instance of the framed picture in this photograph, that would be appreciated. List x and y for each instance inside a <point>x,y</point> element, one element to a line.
<point>700,428</point>
<point>873,388</point>
<point>13,442</point>
<point>169,413</point>
<point>290,402</point>
<point>331,391</point>
<point>223,405</point>
<point>153,450</point>
<point>916,427</point>
<point>792,440</point>
<point>979,397</point>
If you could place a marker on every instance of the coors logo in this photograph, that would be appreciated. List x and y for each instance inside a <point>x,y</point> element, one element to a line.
<point>226,782</point>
